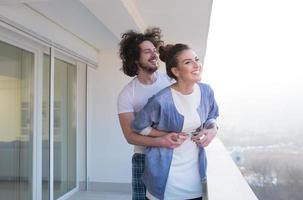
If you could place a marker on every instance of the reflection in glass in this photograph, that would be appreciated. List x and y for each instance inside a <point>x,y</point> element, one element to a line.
<point>16,122</point>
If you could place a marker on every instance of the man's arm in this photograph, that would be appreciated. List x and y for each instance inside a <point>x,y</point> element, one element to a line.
<point>164,140</point>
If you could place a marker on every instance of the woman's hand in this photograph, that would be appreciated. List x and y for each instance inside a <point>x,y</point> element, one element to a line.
<point>205,136</point>
<point>180,137</point>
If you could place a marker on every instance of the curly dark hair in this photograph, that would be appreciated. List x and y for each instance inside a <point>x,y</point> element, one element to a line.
<point>130,51</point>
<point>169,54</point>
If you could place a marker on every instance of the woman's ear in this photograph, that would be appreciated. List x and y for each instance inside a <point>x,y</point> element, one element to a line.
<point>175,71</point>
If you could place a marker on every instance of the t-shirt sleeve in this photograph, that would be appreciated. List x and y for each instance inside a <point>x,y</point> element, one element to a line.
<point>213,108</point>
<point>124,103</point>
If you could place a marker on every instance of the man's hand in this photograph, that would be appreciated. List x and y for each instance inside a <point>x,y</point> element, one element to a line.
<point>173,140</point>
<point>205,136</point>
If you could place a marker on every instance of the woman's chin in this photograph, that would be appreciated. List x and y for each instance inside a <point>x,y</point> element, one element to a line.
<point>198,80</point>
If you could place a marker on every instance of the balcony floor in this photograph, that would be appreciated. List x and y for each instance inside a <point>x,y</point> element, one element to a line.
<point>90,195</point>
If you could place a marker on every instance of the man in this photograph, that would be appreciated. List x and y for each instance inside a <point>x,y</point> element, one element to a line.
<point>139,58</point>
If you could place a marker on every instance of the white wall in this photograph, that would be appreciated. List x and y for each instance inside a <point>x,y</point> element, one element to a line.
<point>109,155</point>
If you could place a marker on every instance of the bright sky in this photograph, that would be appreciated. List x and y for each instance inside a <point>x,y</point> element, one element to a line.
<point>254,62</point>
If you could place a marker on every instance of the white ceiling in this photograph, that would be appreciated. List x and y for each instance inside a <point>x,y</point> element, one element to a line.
<point>181,21</point>
<point>101,22</point>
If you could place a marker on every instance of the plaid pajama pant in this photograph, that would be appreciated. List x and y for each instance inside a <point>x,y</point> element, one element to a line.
<point>138,187</point>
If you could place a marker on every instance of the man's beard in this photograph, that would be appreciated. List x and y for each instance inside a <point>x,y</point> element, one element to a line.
<point>148,69</point>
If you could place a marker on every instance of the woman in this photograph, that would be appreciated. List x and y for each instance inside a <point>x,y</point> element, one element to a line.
<point>186,106</point>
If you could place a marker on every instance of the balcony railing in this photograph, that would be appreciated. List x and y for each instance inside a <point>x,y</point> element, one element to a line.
<point>224,179</point>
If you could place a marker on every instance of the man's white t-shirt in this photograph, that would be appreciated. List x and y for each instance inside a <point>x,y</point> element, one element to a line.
<point>135,95</point>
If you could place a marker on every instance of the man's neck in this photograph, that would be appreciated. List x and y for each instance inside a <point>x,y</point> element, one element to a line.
<point>146,78</point>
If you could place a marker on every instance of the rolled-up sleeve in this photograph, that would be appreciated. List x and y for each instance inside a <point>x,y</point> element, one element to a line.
<point>213,109</point>
<point>147,117</point>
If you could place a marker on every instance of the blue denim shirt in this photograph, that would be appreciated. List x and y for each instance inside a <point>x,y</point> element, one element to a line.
<point>160,113</point>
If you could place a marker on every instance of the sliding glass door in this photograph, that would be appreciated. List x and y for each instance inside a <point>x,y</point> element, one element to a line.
<point>64,168</point>
<point>38,119</point>
<point>16,125</point>
<point>16,122</point>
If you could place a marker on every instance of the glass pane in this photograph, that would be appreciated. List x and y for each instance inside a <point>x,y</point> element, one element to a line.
<point>64,128</point>
<point>45,128</point>
<point>16,122</point>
